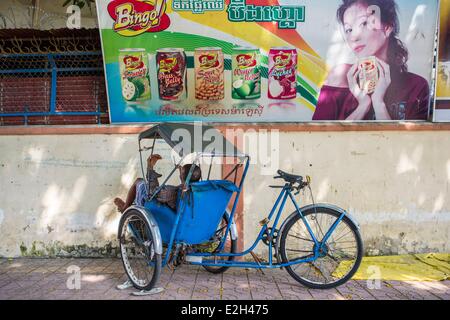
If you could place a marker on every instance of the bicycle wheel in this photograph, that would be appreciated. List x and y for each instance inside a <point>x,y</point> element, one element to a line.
<point>340,258</point>
<point>213,244</point>
<point>137,246</point>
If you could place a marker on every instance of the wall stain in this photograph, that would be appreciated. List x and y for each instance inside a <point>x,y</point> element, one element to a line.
<point>354,153</point>
<point>58,249</point>
<point>386,246</point>
<point>74,163</point>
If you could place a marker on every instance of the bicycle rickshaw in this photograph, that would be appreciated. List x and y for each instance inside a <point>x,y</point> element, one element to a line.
<point>319,245</point>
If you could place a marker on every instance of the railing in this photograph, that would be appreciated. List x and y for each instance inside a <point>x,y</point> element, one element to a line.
<point>62,86</point>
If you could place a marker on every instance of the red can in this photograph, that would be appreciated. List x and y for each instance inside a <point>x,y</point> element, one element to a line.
<point>283,73</point>
<point>172,75</point>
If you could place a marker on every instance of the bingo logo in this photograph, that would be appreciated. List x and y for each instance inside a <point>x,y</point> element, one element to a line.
<point>282,60</point>
<point>167,65</point>
<point>245,61</point>
<point>132,63</point>
<point>134,17</point>
<point>208,61</point>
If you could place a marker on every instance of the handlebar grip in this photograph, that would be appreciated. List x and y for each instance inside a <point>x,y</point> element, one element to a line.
<point>280,172</point>
<point>277,177</point>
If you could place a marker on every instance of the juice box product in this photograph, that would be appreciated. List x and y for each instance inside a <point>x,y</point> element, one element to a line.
<point>246,73</point>
<point>172,75</point>
<point>209,69</point>
<point>368,75</point>
<point>134,75</point>
<point>282,73</point>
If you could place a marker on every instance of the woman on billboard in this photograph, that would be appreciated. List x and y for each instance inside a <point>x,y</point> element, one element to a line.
<point>378,86</point>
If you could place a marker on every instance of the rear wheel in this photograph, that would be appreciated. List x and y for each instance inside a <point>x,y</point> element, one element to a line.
<point>213,245</point>
<point>337,261</point>
<point>137,246</point>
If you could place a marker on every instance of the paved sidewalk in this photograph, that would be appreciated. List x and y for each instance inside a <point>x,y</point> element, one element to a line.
<point>48,278</point>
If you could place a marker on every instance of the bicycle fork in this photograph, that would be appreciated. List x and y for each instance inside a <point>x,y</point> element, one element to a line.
<point>318,246</point>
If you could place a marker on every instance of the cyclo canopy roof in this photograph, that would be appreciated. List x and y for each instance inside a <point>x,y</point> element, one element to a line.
<point>196,138</point>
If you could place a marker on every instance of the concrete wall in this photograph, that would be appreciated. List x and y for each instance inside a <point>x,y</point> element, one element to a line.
<point>56,191</point>
<point>396,185</point>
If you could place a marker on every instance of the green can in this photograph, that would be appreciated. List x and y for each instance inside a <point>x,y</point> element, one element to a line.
<point>134,75</point>
<point>246,73</point>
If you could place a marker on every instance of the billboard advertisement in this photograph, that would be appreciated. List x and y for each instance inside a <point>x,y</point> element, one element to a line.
<point>268,60</point>
<point>442,107</point>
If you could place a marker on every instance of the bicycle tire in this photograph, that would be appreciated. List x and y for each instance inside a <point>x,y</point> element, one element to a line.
<point>157,260</point>
<point>358,241</point>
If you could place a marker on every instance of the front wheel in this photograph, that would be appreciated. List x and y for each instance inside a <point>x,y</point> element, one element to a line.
<point>137,246</point>
<point>339,258</point>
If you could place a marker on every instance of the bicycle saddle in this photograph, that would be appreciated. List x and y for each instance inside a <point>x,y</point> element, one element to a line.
<point>291,178</point>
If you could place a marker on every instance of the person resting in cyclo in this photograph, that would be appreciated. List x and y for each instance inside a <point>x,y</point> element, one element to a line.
<point>167,195</point>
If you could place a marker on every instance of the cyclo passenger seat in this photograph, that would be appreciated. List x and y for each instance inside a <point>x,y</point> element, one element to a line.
<point>290,178</point>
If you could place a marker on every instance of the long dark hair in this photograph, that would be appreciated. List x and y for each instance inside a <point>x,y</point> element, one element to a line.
<point>397,52</point>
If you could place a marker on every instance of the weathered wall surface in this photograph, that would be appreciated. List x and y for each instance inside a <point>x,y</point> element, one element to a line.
<point>396,184</point>
<point>56,192</point>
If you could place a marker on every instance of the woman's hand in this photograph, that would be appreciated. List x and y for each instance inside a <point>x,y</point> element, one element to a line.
<point>378,95</point>
<point>362,97</point>
<point>384,81</point>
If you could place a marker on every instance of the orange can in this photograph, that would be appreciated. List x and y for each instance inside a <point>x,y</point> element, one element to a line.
<point>209,73</point>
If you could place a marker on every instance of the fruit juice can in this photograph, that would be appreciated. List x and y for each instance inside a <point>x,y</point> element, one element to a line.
<point>282,73</point>
<point>368,74</point>
<point>171,74</point>
<point>209,69</point>
<point>246,73</point>
<point>134,75</point>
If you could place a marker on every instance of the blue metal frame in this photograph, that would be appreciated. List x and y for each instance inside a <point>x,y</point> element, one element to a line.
<point>284,194</point>
<point>180,210</point>
<point>320,248</point>
<point>280,204</point>
<point>54,70</point>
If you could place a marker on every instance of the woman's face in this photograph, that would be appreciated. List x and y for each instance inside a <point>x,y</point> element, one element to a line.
<point>364,32</point>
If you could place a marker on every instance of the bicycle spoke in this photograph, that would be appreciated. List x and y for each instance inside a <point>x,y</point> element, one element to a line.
<point>304,239</point>
<point>343,256</point>
<point>338,232</point>
<point>320,228</point>
<point>333,242</point>
<point>352,247</point>
<point>331,226</point>
<point>294,250</point>
<point>321,272</point>
<point>350,231</point>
